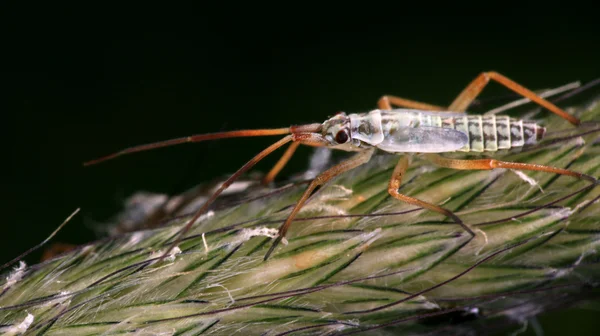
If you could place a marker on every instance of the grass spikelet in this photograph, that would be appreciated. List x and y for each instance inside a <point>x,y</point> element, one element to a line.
<point>356,260</point>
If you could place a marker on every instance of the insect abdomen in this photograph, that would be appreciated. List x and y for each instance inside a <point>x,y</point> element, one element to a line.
<point>492,133</point>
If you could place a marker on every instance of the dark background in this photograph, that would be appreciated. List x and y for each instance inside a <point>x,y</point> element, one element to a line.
<point>83,82</point>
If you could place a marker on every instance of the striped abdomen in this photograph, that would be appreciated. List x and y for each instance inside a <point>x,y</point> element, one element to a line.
<point>492,133</point>
<point>405,130</point>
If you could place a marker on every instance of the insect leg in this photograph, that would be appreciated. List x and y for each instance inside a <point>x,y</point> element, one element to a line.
<point>488,164</point>
<point>224,186</point>
<point>394,185</point>
<point>355,161</point>
<point>386,102</point>
<point>466,97</point>
<point>281,163</point>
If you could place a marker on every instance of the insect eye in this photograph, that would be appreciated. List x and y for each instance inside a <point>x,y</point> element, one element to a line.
<point>341,136</point>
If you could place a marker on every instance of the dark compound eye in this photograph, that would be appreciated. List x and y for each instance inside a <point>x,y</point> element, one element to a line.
<point>341,136</point>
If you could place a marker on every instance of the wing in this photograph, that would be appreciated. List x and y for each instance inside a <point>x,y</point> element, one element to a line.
<point>425,139</point>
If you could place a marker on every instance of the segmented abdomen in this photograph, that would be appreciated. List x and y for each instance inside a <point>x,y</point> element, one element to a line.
<point>489,133</point>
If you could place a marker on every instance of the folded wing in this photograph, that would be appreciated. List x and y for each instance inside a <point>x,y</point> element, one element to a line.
<point>424,139</point>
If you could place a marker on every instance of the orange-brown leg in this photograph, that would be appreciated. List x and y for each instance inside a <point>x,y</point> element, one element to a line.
<point>386,102</point>
<point>394,185</point>
<point>281,163</point>
<point>353,162</point>
<point>466,97</point>
<point>224,186</point>
<point>488,164</point>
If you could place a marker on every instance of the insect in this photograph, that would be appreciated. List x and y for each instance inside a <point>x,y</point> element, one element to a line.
<point>414,128</point>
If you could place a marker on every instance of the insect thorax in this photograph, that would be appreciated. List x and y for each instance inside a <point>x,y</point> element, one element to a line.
<point>359,130</point>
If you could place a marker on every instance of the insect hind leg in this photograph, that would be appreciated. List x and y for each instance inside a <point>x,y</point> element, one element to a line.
<point>394,185</point>
<point>466,97</point>
<point>489,164</point>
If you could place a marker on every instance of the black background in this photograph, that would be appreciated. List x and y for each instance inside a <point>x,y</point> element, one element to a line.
<point>83,82</point>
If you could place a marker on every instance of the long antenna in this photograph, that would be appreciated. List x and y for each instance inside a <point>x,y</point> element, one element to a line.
<point>193,138</point>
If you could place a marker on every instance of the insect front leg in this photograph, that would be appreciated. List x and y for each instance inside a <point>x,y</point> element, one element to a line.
<point>285,158</point>
<point>466,97</point>
<point>355,161</point>
<point>394,185</point>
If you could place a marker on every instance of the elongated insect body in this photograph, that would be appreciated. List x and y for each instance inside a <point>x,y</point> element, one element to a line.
<point>414,128</point>
<point>410,131</point>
